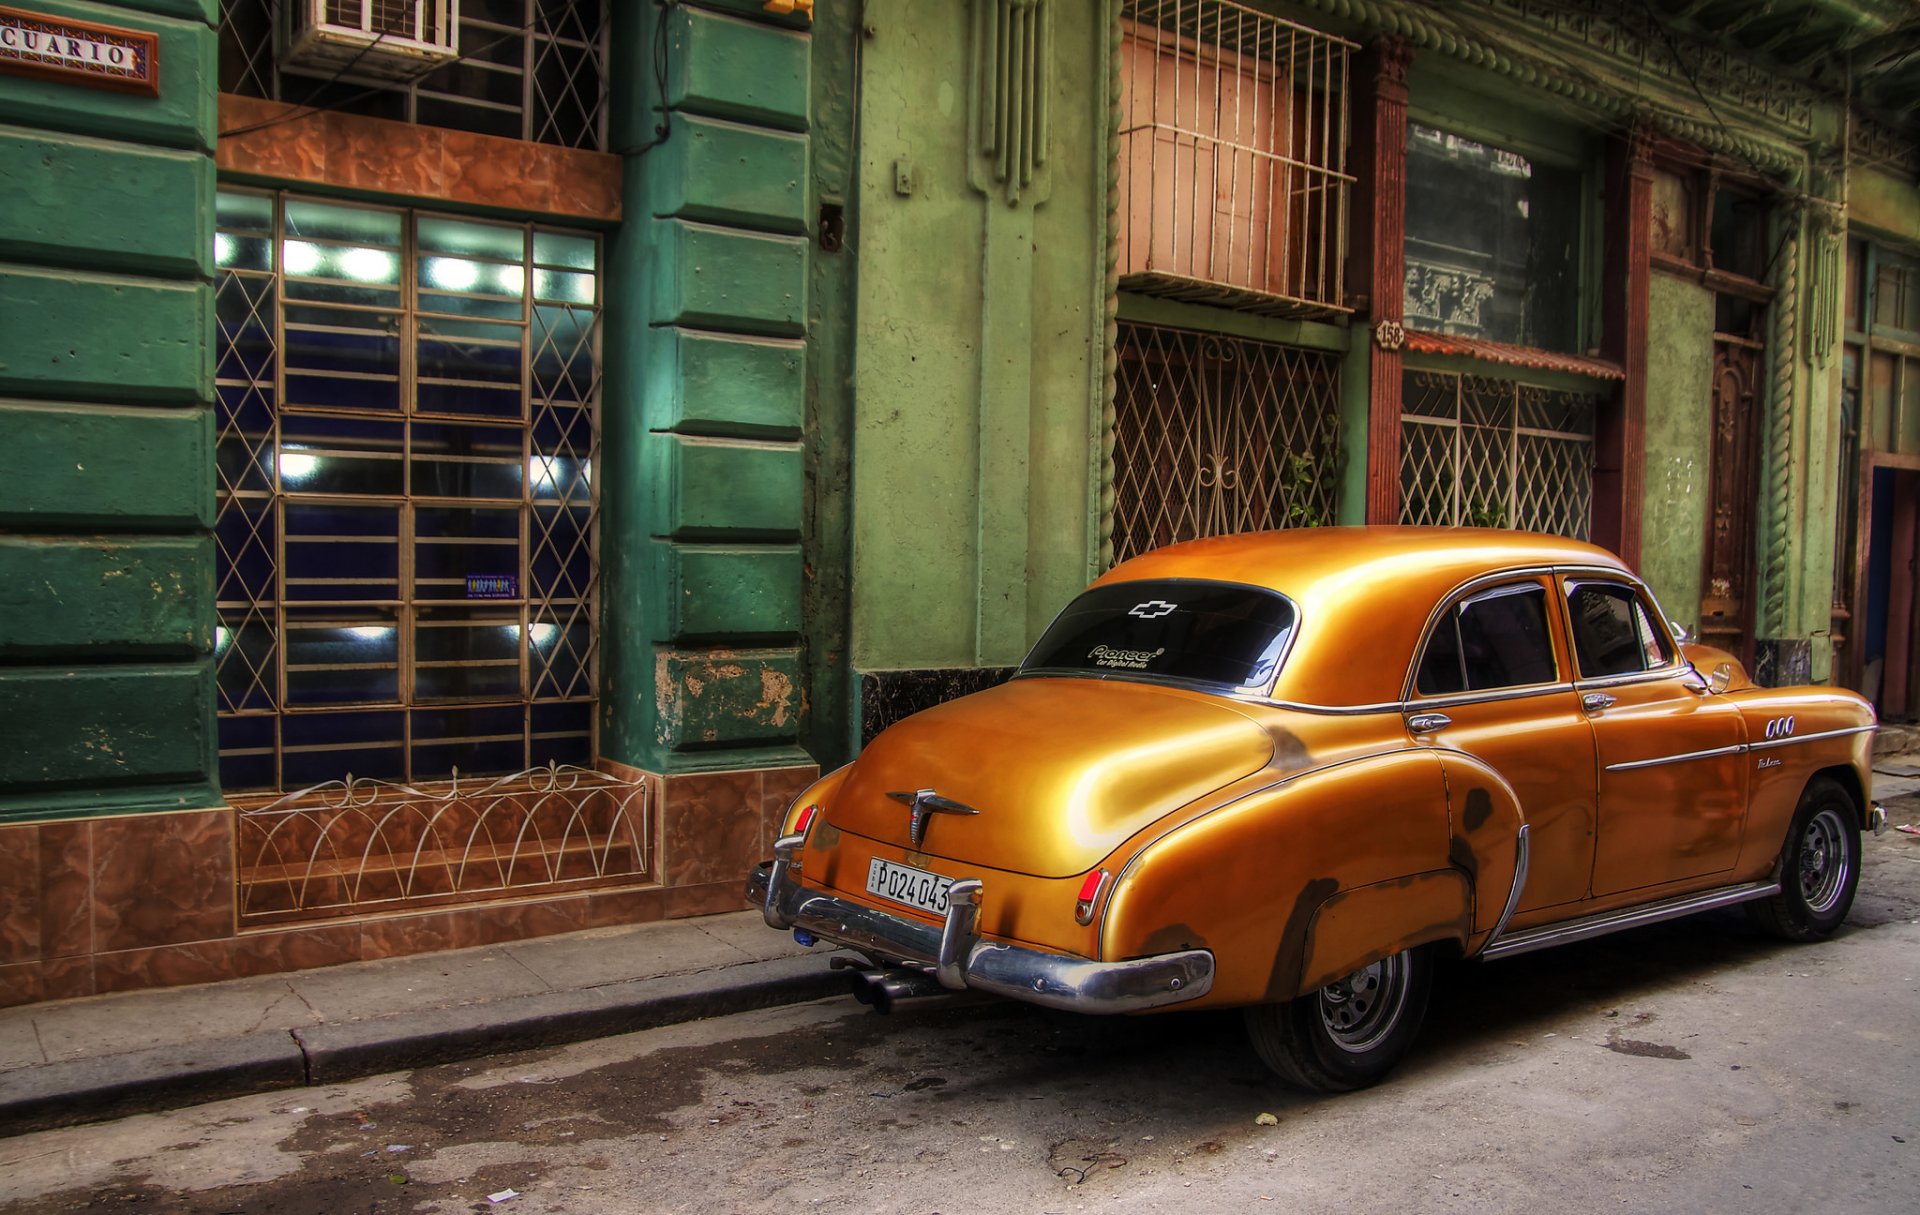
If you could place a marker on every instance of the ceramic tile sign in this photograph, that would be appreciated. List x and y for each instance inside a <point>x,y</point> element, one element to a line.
<point>85,53</point>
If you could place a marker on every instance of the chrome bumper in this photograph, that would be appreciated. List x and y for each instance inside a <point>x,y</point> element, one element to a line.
<point>1877,819</point>
<point>957,956</point>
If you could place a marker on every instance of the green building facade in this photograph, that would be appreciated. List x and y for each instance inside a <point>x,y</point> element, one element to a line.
<point>465,489</point>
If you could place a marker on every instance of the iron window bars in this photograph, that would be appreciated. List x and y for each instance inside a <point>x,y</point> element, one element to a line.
<point>528,69</point>
<point>1479,451</point>
<point>1233,154</point>
<point>1218,434</point>
<point>406,518</point>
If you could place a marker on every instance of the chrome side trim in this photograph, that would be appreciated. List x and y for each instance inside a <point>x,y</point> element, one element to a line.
<point>1587,927</point>
<point>1456,699</point>
<point>1037,976</point>
<point>1765,744</point>
<point>1522,848</point>
<point>1681,758</point>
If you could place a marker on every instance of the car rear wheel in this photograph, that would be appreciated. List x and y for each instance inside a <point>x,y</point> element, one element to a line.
<point>1351,1032</point>
<point>1819,870</point>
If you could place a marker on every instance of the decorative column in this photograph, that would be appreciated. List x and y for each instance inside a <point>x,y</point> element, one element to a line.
<point>1010,75</point>
<point>1380,260</point>
<point>1619,441</point>
<point>1782,652</point>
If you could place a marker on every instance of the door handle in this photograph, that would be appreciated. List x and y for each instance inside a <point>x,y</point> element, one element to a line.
<point>1427,723</point>
<point>1596,701</point>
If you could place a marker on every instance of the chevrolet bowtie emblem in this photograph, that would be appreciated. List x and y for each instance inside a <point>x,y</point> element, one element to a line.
<point>924,803</point>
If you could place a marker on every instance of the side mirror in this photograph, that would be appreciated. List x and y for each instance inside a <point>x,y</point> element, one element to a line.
<point>1721,677</point>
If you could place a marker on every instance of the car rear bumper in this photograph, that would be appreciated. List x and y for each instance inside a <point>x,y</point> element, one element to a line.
<point>955,954</point>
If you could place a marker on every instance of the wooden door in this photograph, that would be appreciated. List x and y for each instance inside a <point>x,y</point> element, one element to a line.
<point>1726,606</point>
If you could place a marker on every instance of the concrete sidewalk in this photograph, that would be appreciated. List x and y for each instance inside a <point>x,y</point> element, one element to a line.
<point>100,1057</point>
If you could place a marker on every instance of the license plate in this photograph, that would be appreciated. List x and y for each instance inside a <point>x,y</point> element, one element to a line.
<point>914,887</point>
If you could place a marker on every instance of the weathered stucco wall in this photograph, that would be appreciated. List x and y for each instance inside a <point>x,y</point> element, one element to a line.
<point>1889,204</point>
<point>1678,436</point>
<point>106,430</point>
<point>977,350</point>
<point>708,312</point>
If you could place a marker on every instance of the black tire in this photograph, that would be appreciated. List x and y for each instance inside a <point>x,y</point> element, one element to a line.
<point>1350,1033</point>
<point>1819,867</point>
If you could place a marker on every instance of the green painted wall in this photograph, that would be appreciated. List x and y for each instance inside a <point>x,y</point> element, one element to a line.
<point>978,350</point>
<point>1679,439</point>
<point>705,396</point>
<point>1888,204</point>
<point>106,446</point>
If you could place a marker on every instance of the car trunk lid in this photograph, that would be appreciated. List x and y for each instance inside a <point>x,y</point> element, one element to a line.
<point>1060,771</point>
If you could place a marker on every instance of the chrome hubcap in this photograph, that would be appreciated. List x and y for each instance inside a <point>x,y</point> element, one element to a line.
<point>1823,862</point>
<point>1363,1008</point>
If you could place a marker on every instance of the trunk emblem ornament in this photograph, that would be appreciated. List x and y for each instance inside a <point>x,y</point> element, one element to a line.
<point>926,802</point>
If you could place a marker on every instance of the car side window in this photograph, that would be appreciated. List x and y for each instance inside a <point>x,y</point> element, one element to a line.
<point>1613,632</point>
<point>1496,639</point>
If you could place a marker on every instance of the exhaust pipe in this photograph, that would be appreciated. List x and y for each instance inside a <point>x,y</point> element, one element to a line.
<point>878,989</point>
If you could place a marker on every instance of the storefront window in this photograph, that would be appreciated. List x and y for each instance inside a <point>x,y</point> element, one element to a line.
<point>1492,243</point>
<point>406,573</point>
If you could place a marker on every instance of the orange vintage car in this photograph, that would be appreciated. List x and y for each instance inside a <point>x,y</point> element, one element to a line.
<point>1287,771</point>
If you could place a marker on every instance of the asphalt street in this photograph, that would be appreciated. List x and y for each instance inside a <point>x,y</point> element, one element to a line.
<point>1692,1066</point>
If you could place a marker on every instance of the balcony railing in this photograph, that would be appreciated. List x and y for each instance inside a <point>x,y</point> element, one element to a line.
<point>1233,156</point>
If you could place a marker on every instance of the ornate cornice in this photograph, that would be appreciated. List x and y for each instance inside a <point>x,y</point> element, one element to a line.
<point>1638,74</point>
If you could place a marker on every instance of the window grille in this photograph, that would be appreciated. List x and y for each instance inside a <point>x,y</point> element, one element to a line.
<point>1220,434</point>
<point>405,534</point>
<point>1233,152</point>
<point>528,69</point>
<point>1476,451</point>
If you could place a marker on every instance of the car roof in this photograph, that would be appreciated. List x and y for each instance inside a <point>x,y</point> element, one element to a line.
<point>1364,593</point>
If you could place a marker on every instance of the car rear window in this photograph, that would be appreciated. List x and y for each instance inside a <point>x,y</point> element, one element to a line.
<point>1207,632</point>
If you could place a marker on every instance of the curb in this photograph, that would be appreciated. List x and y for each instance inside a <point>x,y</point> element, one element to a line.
<point>158,1078</point>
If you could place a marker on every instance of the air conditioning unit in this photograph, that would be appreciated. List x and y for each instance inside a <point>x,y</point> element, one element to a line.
<point>376,39</point>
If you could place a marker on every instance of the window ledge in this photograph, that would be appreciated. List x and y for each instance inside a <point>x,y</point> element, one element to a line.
<point>1419,342</point>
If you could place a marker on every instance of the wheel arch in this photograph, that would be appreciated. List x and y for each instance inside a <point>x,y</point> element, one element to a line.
<point>1848,779</point>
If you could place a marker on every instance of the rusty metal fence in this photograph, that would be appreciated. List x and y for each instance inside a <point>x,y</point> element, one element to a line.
<point>357,846</point>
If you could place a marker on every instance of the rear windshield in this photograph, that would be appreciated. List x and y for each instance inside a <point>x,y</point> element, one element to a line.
<point>1209,632</point>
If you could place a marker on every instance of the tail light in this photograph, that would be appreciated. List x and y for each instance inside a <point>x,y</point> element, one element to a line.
<point>804,819</point>
<point>1090,892</point>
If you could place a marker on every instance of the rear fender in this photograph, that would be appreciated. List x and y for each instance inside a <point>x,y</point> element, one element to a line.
<point>1248,880</point>
<point>1484,821</point>
<point>1358,927</point>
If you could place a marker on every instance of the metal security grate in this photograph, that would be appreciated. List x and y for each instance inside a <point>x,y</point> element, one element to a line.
<point>358,846</point>
<point>528,69</point>
<point>1217,434</point>
<point>408,424</point>
<point>1233,147</point>
<point>1476,451</point>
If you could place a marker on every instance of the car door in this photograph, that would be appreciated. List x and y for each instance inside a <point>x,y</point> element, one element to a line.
<point>1494,680</point>
<point>1672,776</point>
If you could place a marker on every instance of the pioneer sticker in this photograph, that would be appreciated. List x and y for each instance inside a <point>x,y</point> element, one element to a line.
<point>1129,660</point>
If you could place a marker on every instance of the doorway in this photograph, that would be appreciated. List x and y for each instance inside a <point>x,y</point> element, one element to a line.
<point>1888,643</point>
